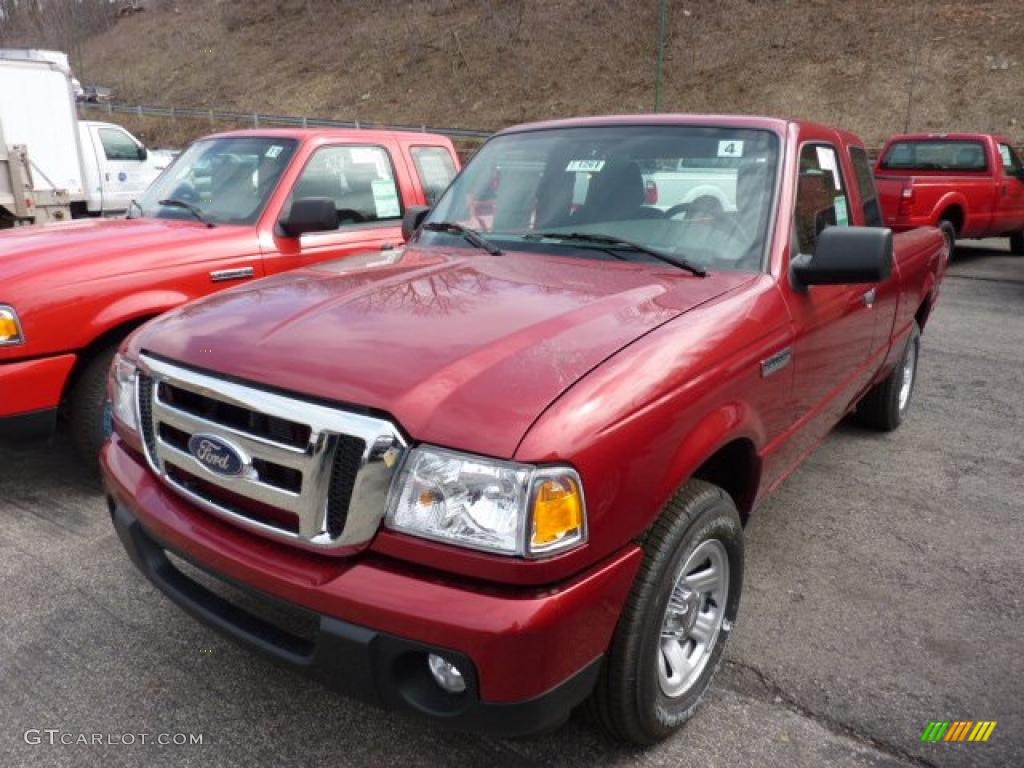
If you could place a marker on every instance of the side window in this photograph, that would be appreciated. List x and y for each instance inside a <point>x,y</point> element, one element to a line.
<point>866,187</point>
<point>821,199</point>
<point>1011,163</point>
<point>118,145</point>
<point>436,169</point>
<point>360,181</point>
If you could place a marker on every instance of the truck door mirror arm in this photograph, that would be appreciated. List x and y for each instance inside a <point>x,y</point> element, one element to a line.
<point>414,216</point>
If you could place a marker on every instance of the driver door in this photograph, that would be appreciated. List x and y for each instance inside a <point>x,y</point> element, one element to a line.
<point>367,192</point>
<point>122,177</point>
<point>834,323</point>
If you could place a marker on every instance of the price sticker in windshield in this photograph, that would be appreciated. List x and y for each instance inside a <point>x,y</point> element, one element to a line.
<point>273,151</point>
<point>585,166</point>
<point>730,148</point>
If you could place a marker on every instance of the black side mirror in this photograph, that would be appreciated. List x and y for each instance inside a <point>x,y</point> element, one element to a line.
<point>310,214</point>
<point>414,216</point>
<point>845,256</point>
<point>143,152</point>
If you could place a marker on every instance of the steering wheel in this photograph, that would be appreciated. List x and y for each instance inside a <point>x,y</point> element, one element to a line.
<point>351,214</point>
<point>186,193</point>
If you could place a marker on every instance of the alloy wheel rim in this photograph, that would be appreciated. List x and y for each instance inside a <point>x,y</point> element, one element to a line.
<point>693,618</point>
<point>907,380</point>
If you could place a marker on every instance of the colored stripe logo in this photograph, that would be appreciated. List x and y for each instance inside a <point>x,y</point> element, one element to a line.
<point>958,730</point>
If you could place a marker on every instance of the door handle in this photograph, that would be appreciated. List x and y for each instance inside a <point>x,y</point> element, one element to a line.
<point>221,275</point>
<point>869,297</point>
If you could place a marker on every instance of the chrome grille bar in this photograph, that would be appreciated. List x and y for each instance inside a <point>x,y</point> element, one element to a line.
<point>382,447</point>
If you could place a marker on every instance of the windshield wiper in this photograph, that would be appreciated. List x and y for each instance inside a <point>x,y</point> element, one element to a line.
<point>171,202</point>
<point>470,235</point>
<point>618,242</point>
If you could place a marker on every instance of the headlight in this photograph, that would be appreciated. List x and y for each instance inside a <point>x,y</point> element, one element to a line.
<point>488,504</point>
<point>10,327</point>
<point>122,392</point>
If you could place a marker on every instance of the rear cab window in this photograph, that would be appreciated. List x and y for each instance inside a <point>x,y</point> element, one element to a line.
<point>435,168</point>
<point>935,155</point>
<point>821,198</point>
<point>866,189</point>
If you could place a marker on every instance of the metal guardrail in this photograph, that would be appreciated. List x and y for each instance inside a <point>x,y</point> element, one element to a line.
<point>257,119</point>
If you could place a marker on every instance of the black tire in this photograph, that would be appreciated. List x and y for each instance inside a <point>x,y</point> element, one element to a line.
<point>1017,243</point>
<point>949,232</point>
<point>629,700</point>
<point>882,407</point>
<point>89,414</point>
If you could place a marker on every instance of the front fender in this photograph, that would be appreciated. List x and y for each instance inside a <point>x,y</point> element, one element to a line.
<point>729,423</point>
<point>132,308</point>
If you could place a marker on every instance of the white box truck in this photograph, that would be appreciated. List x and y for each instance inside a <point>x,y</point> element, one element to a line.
<point>52,165</point>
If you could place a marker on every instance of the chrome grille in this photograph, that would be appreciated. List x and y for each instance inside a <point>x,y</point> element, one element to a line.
<point>311,474</point>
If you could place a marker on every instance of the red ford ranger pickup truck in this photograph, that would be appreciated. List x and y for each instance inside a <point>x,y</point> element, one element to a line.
<point>506,467</point>
<point>233,207</point>
<point>971,185</point>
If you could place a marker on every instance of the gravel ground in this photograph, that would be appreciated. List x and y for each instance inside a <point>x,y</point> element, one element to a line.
<point>884,590</point>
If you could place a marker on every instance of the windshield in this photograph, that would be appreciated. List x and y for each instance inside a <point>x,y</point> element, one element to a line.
<point>935,156</point>
<point>703,194</point>
<point>228,180</point>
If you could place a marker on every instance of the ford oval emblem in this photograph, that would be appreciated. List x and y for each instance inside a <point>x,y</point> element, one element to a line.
<point>215,454</point>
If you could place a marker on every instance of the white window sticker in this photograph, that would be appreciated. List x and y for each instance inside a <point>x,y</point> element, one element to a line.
<point>827,161</point>
<point>385,198</point>
<point>364,154</point>
<point>842,215</point>
<point>274,151</point>
<point>585,166</point>
<point>730,148</point>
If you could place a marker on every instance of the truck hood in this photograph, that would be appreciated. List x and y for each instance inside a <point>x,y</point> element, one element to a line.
<point>463,349</point>
<point>66,253</point>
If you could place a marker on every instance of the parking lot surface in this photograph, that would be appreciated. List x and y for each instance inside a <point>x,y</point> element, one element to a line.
<point>884,589</point>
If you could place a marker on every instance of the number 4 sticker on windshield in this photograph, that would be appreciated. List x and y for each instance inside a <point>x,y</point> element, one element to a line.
<point>730,148</point>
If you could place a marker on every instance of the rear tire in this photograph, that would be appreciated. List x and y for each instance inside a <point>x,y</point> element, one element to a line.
<point>886,404</point>
<point>1017,243</point>
<point>89,417</point>
<point>663,657</point>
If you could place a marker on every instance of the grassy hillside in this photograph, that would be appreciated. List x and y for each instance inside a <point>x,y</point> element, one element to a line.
<point>873,66</point>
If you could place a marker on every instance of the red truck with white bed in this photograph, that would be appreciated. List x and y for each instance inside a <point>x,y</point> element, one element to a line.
<point>506,468</point>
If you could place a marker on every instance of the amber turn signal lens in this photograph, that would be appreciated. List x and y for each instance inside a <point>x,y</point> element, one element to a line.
<point>8,328</point>
<point>557,512</point>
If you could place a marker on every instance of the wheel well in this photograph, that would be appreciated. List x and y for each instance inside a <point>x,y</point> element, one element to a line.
<point>736,469</point>
<point>955,216</point>
<point>114,334</point>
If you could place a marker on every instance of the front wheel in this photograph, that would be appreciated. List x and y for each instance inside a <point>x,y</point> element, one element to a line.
<point>886,404</point>
<point>949,232</point>
<point>674,627</point>
<point>90,413</point>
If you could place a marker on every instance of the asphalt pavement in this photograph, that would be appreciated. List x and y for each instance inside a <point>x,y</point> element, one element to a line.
<point>884,589</point>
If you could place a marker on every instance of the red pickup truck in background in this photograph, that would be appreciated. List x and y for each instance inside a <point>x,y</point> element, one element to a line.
<point>232,208</point>
<point>492,473</point>
<point>971,185</point>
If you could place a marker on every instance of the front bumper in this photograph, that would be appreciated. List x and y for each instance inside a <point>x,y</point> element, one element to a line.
<point>30,391</point>
<point>528,656</point>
